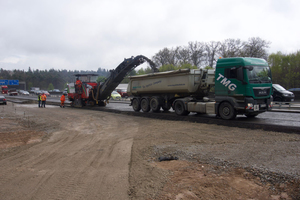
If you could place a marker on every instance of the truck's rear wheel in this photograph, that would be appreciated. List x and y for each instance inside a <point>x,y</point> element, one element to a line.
<point>179,108</point>
<point>154,104</point>
<point>136,105</point>
<point>226,111</point>
<point>145,105</point>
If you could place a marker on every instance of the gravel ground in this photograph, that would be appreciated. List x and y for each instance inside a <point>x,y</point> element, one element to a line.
<point>56,153</point>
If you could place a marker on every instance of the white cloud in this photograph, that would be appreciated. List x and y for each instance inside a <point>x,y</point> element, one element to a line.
<point>90,34</point>
<point>12,60</point>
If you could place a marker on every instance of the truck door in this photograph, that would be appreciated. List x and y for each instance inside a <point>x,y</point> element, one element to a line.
<point>229,81</point>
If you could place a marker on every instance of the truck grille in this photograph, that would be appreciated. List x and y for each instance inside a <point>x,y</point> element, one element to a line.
<point>261,91</point>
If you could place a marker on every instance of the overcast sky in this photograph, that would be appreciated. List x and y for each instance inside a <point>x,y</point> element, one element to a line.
<point>88,34</point>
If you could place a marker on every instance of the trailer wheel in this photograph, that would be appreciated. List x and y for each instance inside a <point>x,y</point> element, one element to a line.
<point>154,104</point>
<point>226,111</point>
<point>145,105</point>
<point>179,108</point>
<point>136,105</point>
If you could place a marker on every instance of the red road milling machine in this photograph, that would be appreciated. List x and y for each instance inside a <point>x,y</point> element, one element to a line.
<point>86,90</point>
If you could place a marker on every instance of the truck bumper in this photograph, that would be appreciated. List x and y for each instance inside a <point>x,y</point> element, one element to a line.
<point>248,104</point>
<point>257,105</point>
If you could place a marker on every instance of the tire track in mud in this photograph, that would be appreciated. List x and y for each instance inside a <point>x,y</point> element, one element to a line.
<point>82,160</point>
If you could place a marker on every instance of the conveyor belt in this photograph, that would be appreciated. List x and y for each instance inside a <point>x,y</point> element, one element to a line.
<point>118,74</point>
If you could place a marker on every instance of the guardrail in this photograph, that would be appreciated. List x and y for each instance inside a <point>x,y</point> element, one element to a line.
<point>297,95</point>
<point>289,104</point>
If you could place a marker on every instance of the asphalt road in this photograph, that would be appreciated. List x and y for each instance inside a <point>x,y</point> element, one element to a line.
<point>282,115</point>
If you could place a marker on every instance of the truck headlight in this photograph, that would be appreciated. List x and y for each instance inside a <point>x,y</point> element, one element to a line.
<point>250,105</point>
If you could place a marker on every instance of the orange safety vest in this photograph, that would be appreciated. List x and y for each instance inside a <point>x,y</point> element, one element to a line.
<point>43,97</point>
<point>62,98</point>
<point>78,82</point>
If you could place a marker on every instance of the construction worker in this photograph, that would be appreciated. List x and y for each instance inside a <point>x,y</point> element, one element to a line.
<point>62,100</point>
<point>78,84</point>
<point>43,97</point>
<point>39,100</point>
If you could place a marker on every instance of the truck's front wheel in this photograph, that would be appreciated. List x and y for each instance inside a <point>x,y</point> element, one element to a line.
<point>226,111</point>
<point>179,108</point>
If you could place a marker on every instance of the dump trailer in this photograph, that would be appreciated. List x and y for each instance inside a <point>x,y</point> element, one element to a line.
<point>90,92</point>
<point>236,86</point>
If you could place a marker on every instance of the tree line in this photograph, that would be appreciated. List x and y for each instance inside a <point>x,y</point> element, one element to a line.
<point>205,54</point>
<point>202,54</point>
<point>45,79</point>
<point>285,67</point>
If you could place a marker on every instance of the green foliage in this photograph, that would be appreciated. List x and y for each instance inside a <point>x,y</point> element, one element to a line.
<point>44,78</point>
<point>165,68</point>
<point>187,66</point>
<point>126,79</point>
<point>208,67</point>
<point>168,67</point>
<point>65,85</point>
<point>29,85</point>
<point>141,72</point>
<point>50,86</point>
<point>285,69</point>
<point>101,79</point>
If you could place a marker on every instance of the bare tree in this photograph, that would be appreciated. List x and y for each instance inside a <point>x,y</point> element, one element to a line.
<point>197,53</point>
<point>212,49</point>
<point>160,58</point>
<point>256,47</point>
<point>231,48</point>
<point>206,54</point>
<point>165,57</point>
<point>183,55</point>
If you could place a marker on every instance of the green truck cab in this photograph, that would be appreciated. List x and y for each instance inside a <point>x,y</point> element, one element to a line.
<point>242,86</point>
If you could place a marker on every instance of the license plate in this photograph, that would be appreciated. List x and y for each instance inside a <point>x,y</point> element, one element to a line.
<point>263,105</point>
<point>292,99</point>
<point>256,107</point>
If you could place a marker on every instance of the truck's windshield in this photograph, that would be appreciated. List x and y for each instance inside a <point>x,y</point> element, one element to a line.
<point>94,79</point>
<point>259,74</point>
<point>90,79</point>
